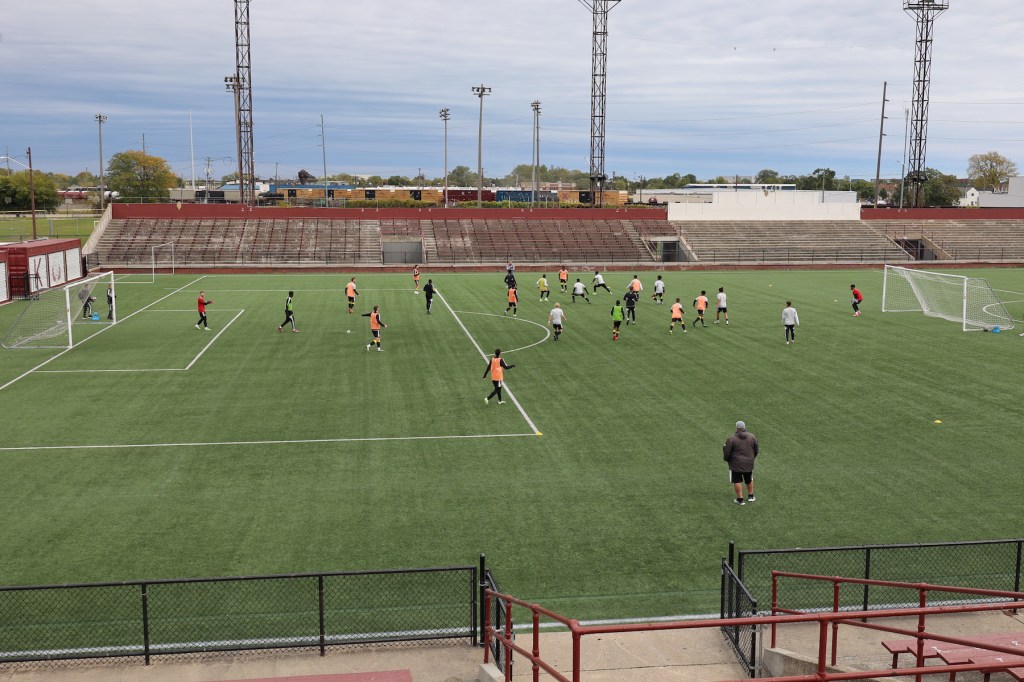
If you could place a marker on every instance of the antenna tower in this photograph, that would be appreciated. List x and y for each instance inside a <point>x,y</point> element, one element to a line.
<point>241,85</point>
<point>925,13</point>
<point>598,84</point>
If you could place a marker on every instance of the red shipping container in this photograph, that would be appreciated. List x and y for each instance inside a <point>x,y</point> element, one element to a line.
<point>42,264</point>
<point>5,289</point>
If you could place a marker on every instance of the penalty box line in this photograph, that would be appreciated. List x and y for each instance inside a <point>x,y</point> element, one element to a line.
<point>304,441</point>
<point>485,357</point>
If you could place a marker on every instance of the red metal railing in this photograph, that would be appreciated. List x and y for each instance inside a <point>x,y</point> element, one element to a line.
<point>825,620</point>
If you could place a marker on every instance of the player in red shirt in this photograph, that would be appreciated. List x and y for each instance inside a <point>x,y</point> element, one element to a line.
<point>201,304</point>
<point>857,299</point>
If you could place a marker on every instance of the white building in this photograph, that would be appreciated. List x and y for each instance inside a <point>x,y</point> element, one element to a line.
<point>1013,197</point>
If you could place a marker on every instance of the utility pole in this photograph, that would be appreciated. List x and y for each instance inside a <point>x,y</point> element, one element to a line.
<point>903,166</point>
<point>481,92</point>
<point>536,151</point>
<point>925,12</point>
<point>881,134</point>
<point>323,139</point>
<point>100,119</point>
<point>32,190</point>
<point>445,115</point>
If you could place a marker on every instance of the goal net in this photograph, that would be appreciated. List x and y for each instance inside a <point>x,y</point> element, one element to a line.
<point>53,317</point>
<point>967,300</point>
<point>160,259</point>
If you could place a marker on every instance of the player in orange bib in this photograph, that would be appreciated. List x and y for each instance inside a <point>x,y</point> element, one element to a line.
<point>677,316</point>
<point>416,279</point>
<point>351,293</point>
<point>376,324</point>
<point>513,301</point>
<point>563,280</point>
<point>496,366</point>
<point>701,304</point>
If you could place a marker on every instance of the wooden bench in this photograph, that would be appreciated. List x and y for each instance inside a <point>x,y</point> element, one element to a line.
<point>956,654</point>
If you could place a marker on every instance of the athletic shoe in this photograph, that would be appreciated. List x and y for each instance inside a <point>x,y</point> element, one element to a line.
<point>787,343</point>
<point>206,328</point>
<point>501,402</point>
<point>295,331</point>
<point>416,292</point>
<point>740,501</point>
<point>716,321</point>
<point>669,331</point>
<point>379,349</point>
<point>727,321</point>
<point>197,326</point>
<point>751,499</point>
<point>505,313</point>
<point>367,346</point>
<point>279,329</point>
<point>487,401</point>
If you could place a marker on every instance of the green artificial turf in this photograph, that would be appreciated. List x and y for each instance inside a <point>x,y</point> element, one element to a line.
<point>280,452</point>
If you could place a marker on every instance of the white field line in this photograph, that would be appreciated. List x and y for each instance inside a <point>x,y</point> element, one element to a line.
<point>547,332</point>
<point>151,369</point>
<point>305,441</point>
<point>66,350</point>
<point>485,357</point>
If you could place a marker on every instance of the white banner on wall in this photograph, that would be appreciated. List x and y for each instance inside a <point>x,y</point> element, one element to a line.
<point>4,294</point>
<point>74,263</point>
<point>39,276</point>
<point>58,275</point>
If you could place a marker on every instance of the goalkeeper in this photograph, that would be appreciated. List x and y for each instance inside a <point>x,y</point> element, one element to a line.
<point>87,302</point>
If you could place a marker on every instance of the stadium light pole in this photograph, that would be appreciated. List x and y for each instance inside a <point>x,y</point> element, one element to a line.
<point>445,115</point>
<point>481,92</point>
<point>881,134</point>
<point>535,105</point>
<point>31,184</point>
<point>100,119</point>
<point>323,139</point>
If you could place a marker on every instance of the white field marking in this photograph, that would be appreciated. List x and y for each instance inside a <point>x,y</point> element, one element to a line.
<point>152,369</point>
<point>1007,291</point>
<point>305,441</point>
<point>485,357</point>
<point>66,350</point>
<point>547,332</point>
<point>336,290</point>
<point>985,309</point>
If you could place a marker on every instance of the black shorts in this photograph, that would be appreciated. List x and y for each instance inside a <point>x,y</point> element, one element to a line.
<point>562,281</point>
<point>557,328</point>
<point>351,299</point>
<point>723,310</point>
<point>741,476</point>
<point>376,333</point>
<point>616,324</point>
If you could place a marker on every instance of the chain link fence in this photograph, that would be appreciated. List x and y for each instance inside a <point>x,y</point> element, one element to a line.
<point>316,610</point>
<point>994,564</point>
<point>738,603</point>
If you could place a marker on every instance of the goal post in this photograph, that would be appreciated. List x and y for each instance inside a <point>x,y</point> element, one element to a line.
<point>967,300</point>
<point>52,318</point>
<point>161,257</point>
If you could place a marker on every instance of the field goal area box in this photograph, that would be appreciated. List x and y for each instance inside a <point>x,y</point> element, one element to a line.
<point>5,288</point>
<point>42,264</point>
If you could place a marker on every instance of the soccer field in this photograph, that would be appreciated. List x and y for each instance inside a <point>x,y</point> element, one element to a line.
<point>153,450</point>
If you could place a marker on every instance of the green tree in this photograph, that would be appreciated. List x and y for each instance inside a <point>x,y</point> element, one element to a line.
<point>305,176</point>
<point>461,176</point>
<point>990,170</point>
<point>137,176</point>
<point>16,192</point>
<point>940,189</point>
<point>767,176</point>
<point>398,181</point>
<point>85,179</point>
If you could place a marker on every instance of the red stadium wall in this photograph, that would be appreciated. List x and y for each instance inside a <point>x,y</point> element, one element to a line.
<point>942,214</point>
<point>236,212</point>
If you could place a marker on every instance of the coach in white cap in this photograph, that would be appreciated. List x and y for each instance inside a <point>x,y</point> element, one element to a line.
<point>740,451</point>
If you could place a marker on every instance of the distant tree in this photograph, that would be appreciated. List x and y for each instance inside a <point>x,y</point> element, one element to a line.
<point>61,180</point>
<point>940,189</point>
<point>16,192</point>
<point>990,170</point>
<point>305,177</point>
<point>85,179</point>
<point>720,180</point>
<point>137,175</point>
<point>461,176</point>
<point>229,178</point>
<point>374,181</point>
<point>767,176</point>
<point>398,181</point>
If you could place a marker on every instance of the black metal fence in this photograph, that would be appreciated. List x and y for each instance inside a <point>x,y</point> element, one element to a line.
<point>989,564</point>
<point>314,610</point>
<point>487,582</point>
<point>738,603</point>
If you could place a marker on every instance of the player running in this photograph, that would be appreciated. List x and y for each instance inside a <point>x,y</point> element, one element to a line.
<point>857,299</point>
<point>563,280</point>
<point>579,289</point>
<point>289,313</point>
<point>598,282</point>
<point>376,324</point>
<point>721,307</point>
<point>677,316</point>
<point>429,292</point>
<point>545,289</point>
<point>631,298</point>
<point>416,279</point>
<point>513,301</point>
<point>701,304</point>
<point>555,318</point>
<point>496,366</point>
<point>659,291</point>
<point>636,286</point>
<point>617,316</point>
<point>351,293</point>
<point>790,320</point>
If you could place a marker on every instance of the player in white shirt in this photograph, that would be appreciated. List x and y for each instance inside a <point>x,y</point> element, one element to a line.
<point>791,321</point>
<point>555,319</point>
<point>579,289</point>
<point>599,282</point>
<point>722,309</point>
<point>659,291</point>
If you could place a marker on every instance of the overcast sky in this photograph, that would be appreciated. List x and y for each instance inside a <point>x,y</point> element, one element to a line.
<point>712,88</point>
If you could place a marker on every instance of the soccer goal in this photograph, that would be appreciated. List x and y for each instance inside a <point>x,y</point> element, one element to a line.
<point>161,257</point>
<point>52,318</point>
<point>967,300</point>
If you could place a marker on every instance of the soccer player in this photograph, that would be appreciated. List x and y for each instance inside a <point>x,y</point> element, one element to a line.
<point>496,366</point>
<point>659,291</point>
<point>701,304</point>
<point>429,292</point>
<point>201,304</point>
<point>636,286</point>
<point>110,301</point>
<point>857,299</point>
<point>289,313</point>
<point>545,290</point>
<point>631,297</point>
<point>351,293</point>
<point>416,279</point>
<point>579,289</point>
<point>555,318</point>
<point>376,324</point>
<point>87,301</point>
<point>513,301</point>
<point>721,307</point>
<point>790,321</point>
<point>677,316</point>
<point>598,282</point>
<point>617,316</point>
<point>563,280</point>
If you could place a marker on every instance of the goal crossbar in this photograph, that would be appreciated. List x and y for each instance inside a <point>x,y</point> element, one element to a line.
<point>158,258</point>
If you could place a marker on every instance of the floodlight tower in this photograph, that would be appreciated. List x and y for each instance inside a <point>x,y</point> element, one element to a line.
<point>925,12</point>
<point>535,105</point>
<point>598,83</point>
<point>241,85</point>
